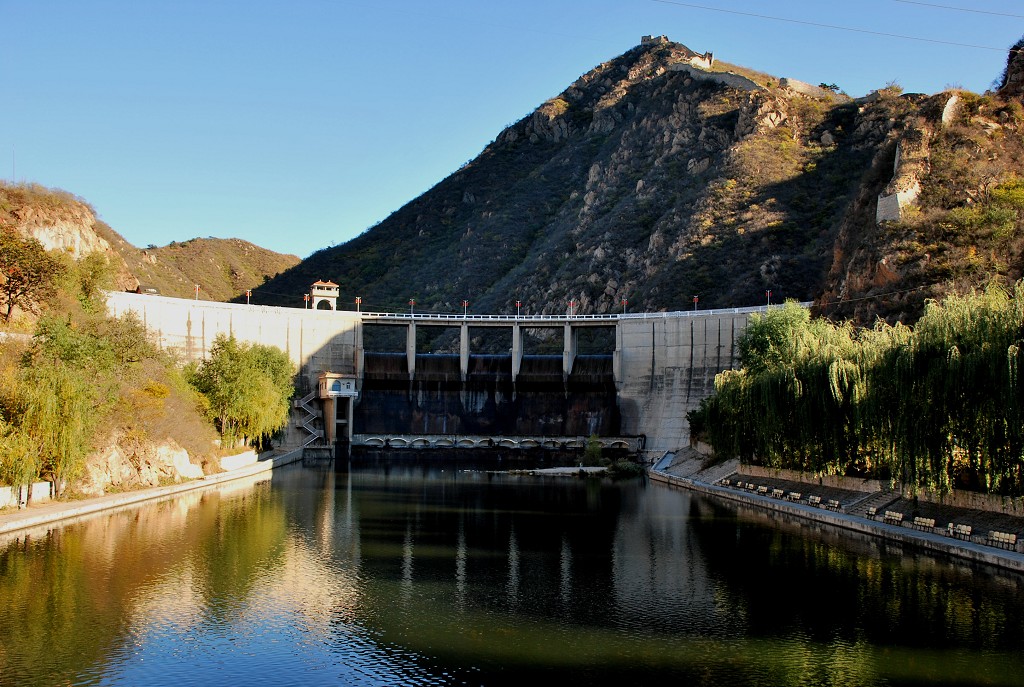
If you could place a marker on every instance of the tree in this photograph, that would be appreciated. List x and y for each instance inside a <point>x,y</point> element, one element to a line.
<point>592,453</point>
<point>95,273</point>
<point>60,413</point>
<point>27,272</point>
<point>771,340</point>
<point>248,388</point>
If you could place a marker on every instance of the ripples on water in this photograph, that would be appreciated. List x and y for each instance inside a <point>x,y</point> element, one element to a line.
<point>431,576</point>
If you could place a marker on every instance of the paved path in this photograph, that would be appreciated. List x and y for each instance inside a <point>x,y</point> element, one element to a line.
<point>14,521</point>
<point>853,516</point>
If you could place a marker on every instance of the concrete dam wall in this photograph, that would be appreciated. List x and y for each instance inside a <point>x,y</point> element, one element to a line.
<point>667,365</point>
<point>662,366</point>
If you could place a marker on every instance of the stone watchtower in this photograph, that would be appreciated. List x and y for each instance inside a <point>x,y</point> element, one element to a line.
<point>324,292</point>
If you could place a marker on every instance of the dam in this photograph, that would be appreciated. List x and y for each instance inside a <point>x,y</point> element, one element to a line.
<point>652,370</point>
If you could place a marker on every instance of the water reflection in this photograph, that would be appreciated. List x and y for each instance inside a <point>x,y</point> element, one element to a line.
<point>437,575</point>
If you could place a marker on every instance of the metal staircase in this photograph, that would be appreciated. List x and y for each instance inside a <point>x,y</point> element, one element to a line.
<point>308,418</point>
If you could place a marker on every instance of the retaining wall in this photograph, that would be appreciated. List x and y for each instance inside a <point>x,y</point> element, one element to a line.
<point>41,492</point>
<point>836,481</point>
<point>1010,560</point>
<point>1008,505</point>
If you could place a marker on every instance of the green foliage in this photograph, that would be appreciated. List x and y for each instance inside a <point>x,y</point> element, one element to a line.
<point>128,340</point>
<point>934,407</point>
<point>19,455</point>
<point>94,274</point>
<point>592,452</point>
<point>624,468</point>
<point>60,338</point>
<point>66,386</point>
<point>770,340</point>
<point>248,388</point>
<point>59,415</point>
<point>83,380</point>
<point>27,271</point>
<point>1009,194</point>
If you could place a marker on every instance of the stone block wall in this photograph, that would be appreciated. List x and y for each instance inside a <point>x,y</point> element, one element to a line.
<point>835,481</point>
<point>1007,505</point>
<point>727,78</point>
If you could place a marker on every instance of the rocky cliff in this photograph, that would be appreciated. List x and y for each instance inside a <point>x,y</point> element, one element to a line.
<point>658,177</point>
<point>223,268</point>
<point>943,212</point>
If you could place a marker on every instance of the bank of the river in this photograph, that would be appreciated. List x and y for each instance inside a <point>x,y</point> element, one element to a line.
<point>931,541</point>
<point>63,511</point>
<point>15,521</point>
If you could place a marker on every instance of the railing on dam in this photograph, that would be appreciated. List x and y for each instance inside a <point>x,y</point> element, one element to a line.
<point>551,320</point>
<point>485,320</point>
<point>632,444</point>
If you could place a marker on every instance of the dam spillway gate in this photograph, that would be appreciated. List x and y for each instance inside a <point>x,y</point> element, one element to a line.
<point>512,400</point>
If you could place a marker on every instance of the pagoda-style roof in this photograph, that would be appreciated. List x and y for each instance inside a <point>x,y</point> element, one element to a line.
<point>325,283</point>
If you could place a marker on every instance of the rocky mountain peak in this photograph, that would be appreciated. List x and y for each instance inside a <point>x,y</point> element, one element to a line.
<point>1013,79</point>
<point>588,106</point>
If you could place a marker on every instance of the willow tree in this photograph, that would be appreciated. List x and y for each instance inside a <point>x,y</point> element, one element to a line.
<point>19,456</point>
<point>59,416</point>
<point>248,388</point>
<point>929,407</point>
<point>965,392</point>
<point>794,403</point>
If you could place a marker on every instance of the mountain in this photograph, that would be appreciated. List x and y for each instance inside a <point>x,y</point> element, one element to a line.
<point>223,268</point>
<point>943,211</point>
<point>663,175</point>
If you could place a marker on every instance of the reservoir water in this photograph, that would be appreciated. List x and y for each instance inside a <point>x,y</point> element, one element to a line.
<point>417,574</point>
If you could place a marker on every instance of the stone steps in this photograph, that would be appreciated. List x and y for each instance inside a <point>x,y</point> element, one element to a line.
<point>877,500</point>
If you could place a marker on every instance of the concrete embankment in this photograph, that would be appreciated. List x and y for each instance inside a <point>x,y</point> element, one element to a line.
<point>928,541</point>
<point>66,511</point>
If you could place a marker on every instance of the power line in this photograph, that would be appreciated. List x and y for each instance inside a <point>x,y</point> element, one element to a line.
<point>829,26</point>
<point>960,9</point>
<point>841,301</point>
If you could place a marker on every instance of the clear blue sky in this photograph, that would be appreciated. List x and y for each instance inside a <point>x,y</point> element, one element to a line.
<point>297,125</point>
